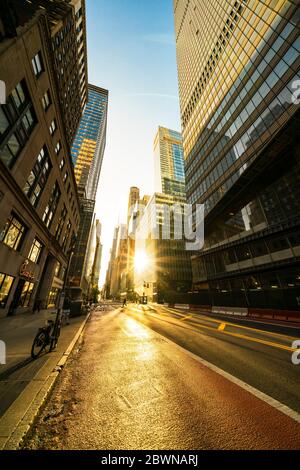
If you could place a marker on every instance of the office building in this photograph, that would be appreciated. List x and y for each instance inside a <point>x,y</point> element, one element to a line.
<point>94,261</point>
<point>110,268</point>
<point>39,206</point>
<point>118,263</point>
<point>162,268</point>
<point>87,154</point>
<point>133,201</point>
<point>238,66</point>
<point>169,163</point>
<point>65,39</point>
<point>89,144</point>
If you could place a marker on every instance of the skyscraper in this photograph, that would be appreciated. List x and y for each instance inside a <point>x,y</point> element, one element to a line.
<point>87,153</point>
<point>98,254</point>
<point>162,263</point>
<point>133,200</point>
<point>89,144</point>
<point>39,207</point>
<point>238,65</point>
<point>118,262</point>
<point>66,45</point>
<point>169,163</point>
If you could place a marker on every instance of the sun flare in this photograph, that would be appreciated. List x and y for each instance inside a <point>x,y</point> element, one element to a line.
<point>141,261</point>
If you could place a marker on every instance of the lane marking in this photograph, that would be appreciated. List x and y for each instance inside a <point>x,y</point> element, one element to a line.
<point>240,383</point>
<point>184,318</point>
<point>236,335</point>
<point>243,327</point>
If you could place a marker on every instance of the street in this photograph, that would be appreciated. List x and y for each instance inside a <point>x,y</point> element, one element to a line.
<point>127,387</point>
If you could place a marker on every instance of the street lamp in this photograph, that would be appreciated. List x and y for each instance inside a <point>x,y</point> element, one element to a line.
<point>70,253</point>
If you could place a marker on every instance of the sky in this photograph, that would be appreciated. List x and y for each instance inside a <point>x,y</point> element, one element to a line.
<point>131,52</point>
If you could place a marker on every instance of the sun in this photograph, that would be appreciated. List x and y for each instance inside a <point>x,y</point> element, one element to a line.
<point>141,261</point>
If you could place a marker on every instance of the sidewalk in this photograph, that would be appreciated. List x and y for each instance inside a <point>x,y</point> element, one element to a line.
<point>24,383</point>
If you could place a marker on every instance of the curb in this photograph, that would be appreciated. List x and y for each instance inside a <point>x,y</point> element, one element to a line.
<point>16,422</point>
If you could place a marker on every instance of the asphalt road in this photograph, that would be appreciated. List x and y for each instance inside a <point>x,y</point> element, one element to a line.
<point>126,387</point>
<point>256,353</point>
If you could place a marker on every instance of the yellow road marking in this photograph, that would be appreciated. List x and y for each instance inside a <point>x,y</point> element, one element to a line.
<point>243,327</point>
<point>184,318</point>
<point>237,335</point>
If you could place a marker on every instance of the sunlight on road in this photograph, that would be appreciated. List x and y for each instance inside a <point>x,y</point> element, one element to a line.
<point>135,329</point>
<point>145,351</point>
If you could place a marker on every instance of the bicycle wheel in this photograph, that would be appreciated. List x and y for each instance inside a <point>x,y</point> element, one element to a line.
<point>39,344</point>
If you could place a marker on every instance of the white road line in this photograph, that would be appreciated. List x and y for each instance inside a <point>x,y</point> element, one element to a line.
<point>257,393</point>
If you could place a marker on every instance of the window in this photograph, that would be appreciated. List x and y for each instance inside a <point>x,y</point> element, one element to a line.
<point>5,286</point>
<point>53,296</point>
<point>278,244</point>
<point>60,222</point>
<point>259,248</point>
<point>13,233</point>
<point>37,64</point>
<point>57,147</point>
<point>17,121</point>
<point>52,205</point>
<point>52,127</point>
<point>28,120</point>
<point>294,239</point>
<point>35,251</point>
<point>4,124</point>
<point>243,252</point>
<point>66,236</point>
<point>38,177</point>
<point>26,294</point>
<point>62,164</point>
<point>57,269</point>
<point>46,100</point>
<point>11,150</point>
<point>65,176</point>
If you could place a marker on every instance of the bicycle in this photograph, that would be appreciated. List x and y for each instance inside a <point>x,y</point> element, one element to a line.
<point>47,336</point>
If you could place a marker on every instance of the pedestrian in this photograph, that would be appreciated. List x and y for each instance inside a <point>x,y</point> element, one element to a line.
<point>37,306</point>
<point>125,302</point>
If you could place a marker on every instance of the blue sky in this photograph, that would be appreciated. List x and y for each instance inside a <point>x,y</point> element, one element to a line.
<point>131,52</point>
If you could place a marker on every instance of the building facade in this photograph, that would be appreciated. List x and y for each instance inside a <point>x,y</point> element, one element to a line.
<point>89,144</point>
<point>162,263</point>
<point>67,38</point>
<point>87,154</point>
<point>39,206</point>
<point>133,201</point>
<point>109,272</point>
<point>169,163</point>
<point>118,263</point>
<point>238,66</point>
<point>94,259</point>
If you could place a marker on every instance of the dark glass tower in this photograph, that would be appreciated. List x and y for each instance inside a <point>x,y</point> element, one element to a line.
<point>238,65</point>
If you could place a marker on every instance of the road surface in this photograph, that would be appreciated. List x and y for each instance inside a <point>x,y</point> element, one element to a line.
<point>127,387</point>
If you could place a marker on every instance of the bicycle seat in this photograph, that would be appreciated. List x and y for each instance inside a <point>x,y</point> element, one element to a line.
<point>50,322</point>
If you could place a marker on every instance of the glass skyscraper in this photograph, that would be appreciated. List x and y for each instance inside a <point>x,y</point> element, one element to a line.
<point>169,163</point>
<point>87,155</point>
<point>238,66</point>
<point>89,144</point>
